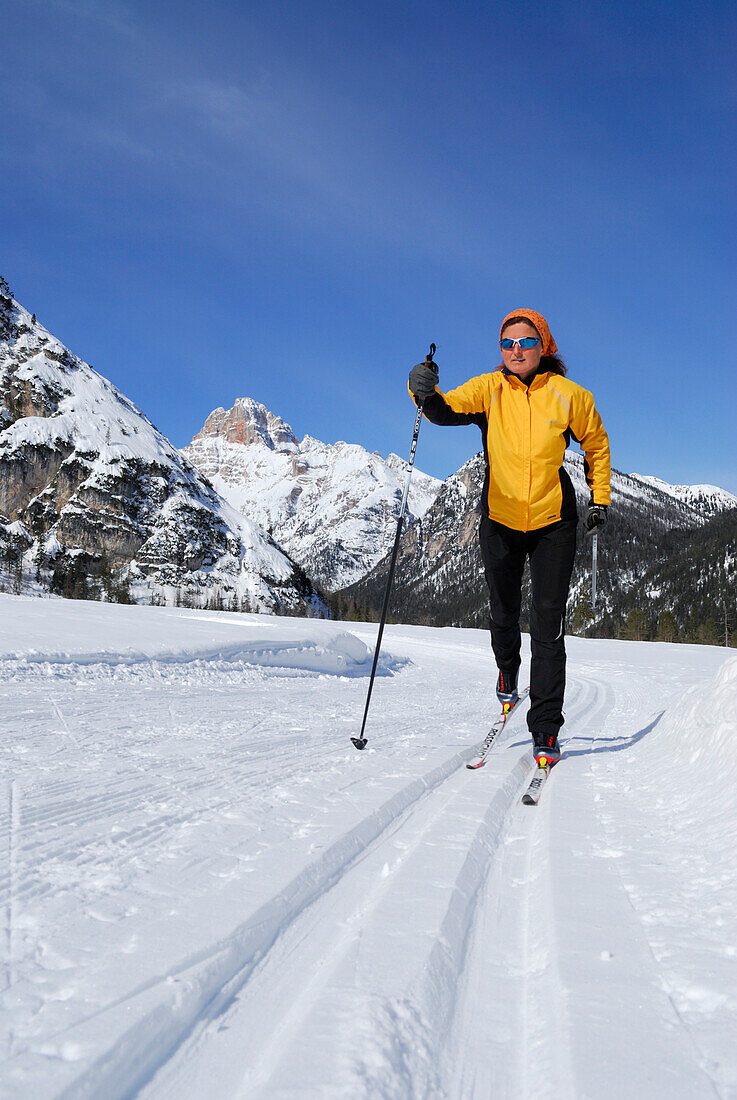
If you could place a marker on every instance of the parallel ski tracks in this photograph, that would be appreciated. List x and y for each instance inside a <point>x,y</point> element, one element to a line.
<point>569,963</point>
<point>223,978</point>
<point>300,990</point>
<point>517,1046</point>
<point>335,893</point>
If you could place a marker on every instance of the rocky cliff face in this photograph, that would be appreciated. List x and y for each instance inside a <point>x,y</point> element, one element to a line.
<point>332,507</point>
<point>249,422</point>
<point>90,489</point>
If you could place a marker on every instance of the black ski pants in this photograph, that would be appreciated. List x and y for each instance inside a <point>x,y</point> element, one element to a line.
<point>551,551</point>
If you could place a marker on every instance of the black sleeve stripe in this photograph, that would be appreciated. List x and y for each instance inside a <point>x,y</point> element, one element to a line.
<point>437,409</point>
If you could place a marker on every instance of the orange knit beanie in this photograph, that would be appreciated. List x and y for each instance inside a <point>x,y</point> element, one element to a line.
<point>549,346</point>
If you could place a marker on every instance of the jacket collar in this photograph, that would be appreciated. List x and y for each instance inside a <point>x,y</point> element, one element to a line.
<point>538,379</point>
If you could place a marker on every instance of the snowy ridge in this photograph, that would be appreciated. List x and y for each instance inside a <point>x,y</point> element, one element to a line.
<point>384,923</point>
<point>342,654</point>
<point>706,499</point>
<point>694,503</point>
<point>333,507</point>
<point>705,760</point>
<point>84,470</point>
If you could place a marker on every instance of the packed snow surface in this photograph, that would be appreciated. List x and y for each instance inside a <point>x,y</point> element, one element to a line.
<point>209,893</point>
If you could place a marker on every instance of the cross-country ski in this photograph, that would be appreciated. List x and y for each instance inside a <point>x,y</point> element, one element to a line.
<point>531,797</point>
<point>480,758</point>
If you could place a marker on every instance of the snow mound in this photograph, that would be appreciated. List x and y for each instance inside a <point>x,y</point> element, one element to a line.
<point>701,730</point>
<point>63,639</point>
<point>689,755</point>
<point>343,655</point>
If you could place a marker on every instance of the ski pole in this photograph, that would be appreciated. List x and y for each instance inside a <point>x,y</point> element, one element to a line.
<point>594,556</point>
<point>361,741</point>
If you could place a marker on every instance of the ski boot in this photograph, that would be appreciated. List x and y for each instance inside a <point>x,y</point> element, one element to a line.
<point>506,690</point>
<point>545,749</point>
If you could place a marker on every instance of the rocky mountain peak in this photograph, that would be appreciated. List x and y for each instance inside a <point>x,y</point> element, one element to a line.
<point>332,506</point>
<point>94,499</point>
<point>6,310</point>
<point>249,422</point>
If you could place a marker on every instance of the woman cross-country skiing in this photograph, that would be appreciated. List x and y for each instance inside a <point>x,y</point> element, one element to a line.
<point>528,411</point>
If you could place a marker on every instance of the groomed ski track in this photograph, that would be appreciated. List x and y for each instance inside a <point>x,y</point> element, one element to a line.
<point>450,942</point>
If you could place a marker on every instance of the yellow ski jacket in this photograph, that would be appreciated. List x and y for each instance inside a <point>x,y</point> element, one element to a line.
<point>526,430</point>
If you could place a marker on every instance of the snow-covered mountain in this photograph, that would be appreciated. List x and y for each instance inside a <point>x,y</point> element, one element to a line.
<point>95,501</point>
<point>332,507</point>
<point>91,494</point>
<point>706,500</point>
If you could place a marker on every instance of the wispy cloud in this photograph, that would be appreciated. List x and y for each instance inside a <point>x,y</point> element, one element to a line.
<point>289,134</point>
<point>311,156</point>
<point>229,107</point>
<point>108,13</point>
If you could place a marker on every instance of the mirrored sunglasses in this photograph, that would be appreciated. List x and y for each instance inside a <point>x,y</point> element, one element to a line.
<point>526,342</point>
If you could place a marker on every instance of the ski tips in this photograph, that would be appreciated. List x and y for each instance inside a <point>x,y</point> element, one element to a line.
<point>360,742</point>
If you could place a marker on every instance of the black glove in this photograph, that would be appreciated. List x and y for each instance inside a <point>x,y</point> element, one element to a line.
<point>423,379</point>
<point>595,517</point>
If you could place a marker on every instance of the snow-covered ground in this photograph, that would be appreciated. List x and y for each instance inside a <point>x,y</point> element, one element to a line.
<point>208,892</point>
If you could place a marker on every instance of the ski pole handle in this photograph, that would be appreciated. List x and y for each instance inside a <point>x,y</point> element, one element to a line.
<point>415,436</point>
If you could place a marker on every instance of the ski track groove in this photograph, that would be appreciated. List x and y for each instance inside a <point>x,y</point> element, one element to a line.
<point>156,1038</point>
<point>183,1009</point>
<point>579,1075</point>
<point>492,1058</point>
<point>445,966</point>
<point>15,794</point>
<point>701,1056</point>
<point>530,1058</point>
<point>445,961</point>
<point>11,901</point>
<point>551,1072</point>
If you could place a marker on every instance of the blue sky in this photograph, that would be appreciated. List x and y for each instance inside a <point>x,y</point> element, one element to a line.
<point>289,201</point>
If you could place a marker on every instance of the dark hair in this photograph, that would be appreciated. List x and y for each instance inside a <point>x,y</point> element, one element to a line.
<point>552,363</point>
